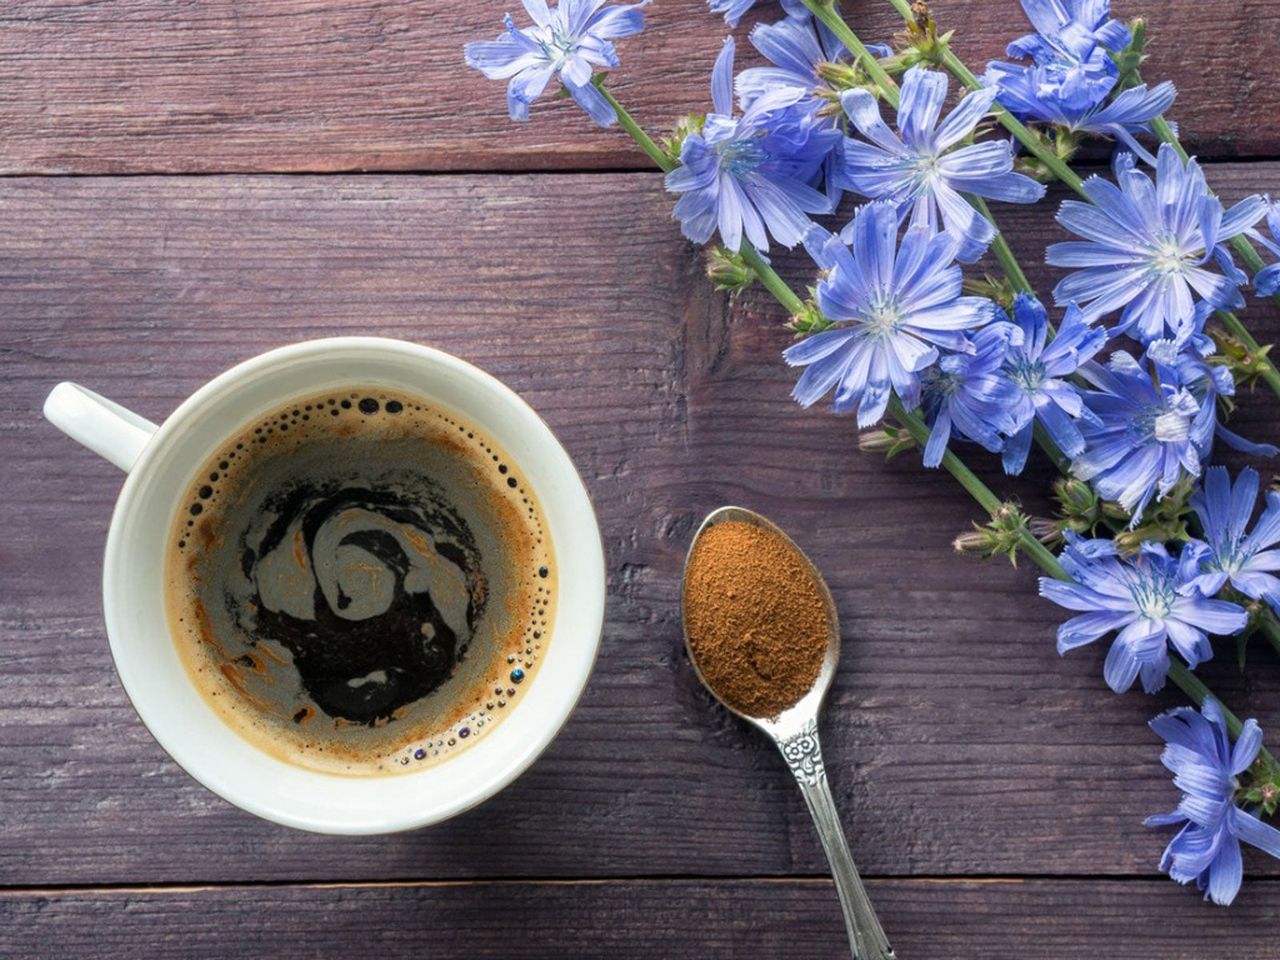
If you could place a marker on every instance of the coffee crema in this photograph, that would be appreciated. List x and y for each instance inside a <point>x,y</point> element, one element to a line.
<point>360,582</point>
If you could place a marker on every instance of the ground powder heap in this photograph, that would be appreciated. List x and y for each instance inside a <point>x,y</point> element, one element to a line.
<point>755,617</point>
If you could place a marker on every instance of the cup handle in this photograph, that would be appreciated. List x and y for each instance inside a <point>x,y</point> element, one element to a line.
<point>105,427</point>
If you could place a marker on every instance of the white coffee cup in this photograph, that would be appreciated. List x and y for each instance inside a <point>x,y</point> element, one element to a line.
<point>160,461</point>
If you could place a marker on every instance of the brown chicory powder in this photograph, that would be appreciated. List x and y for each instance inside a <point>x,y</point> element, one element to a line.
<point>755,617</point>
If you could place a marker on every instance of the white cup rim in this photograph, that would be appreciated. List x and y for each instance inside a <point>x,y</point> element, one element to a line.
<point>569,509</point>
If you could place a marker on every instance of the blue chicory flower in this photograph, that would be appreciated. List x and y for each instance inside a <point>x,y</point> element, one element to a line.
<point>749,174</point>
<point>1228,552</point>
<point>1267,282</point>
<point>1143,433</point>
<point>798,48</point>
<point>1070,28</point>
<point>1022,90</point>
<point>1205,768</point>
<point>567,41</point>
<point>734,10</point>
<point>893,307</point>
<point>1072,49</point>
<point>971,391</point>
<point>1141,598</point>
<point>1147,244</point>
<point>1039,369</point>
<point>1072,74</point>
<point>926,169</point>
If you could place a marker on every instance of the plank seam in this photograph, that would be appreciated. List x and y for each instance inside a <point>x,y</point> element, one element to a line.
<point>11,891</point>
<point>1084,169</point>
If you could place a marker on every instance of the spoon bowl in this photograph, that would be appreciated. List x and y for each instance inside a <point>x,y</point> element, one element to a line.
<point>795,731</point>
<point>795,718</point>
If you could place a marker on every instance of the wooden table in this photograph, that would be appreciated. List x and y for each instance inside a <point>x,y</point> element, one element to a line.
<point>194,183</point>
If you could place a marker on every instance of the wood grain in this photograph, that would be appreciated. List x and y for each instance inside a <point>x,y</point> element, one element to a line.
<point>957,740</point>
<point>998,920</point>
<point>137,86</point>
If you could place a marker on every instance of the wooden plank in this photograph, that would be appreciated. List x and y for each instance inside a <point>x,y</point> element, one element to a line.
<point>340,85</point>
<point>998,920</point>
<point>957,740</point>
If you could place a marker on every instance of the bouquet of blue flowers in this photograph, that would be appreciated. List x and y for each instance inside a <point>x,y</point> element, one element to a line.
<point>1126,394</point>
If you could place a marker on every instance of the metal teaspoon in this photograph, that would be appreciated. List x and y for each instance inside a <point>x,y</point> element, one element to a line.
<point>795,731</point>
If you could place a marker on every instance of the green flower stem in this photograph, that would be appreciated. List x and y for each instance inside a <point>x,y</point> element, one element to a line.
<point>1000,247</point>
<point>770,280</point>
<point>1241,333</point>
<point>655,152</point>
<point>980,492</point>
<point>919,430</point>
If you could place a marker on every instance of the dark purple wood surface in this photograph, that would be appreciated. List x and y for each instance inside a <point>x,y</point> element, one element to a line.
<point>137,86</point>
<point>633,920</point>
<point>996,789</point>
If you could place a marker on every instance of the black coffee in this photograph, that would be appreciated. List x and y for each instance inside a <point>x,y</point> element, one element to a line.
<point>360,582</point>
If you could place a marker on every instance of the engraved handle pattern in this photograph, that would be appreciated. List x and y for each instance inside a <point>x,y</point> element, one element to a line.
<point>803,754</point>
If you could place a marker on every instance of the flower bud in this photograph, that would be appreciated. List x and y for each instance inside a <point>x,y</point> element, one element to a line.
<point>876,441</point>
<point>999,289</point>
<point>808,320</point>
<point>1130,58</point>
<point>921,39</point>
<point>1130,541</point>
<point>1080,509</point>
<point>1076,496</point>
<point>1047,531</point>
<point>840,76</point>
<point>1246,365</point>
<point>890,441</point>
<point>1260,787</point>
<point>728,271</point>
<point>1113,510</point>
<point>973,543</point>
<point>1003,534</point>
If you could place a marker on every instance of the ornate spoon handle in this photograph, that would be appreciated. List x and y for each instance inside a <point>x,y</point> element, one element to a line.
<point>804,756</point>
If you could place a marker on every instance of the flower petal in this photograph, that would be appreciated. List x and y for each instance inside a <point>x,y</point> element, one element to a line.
<point>919,104</point>
<point>1226,873</point>
<point>722,79</point>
